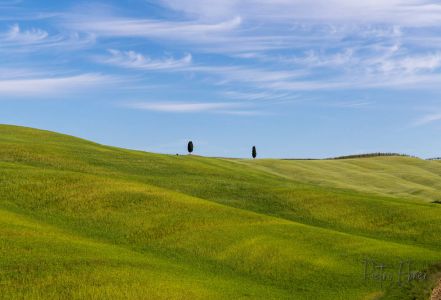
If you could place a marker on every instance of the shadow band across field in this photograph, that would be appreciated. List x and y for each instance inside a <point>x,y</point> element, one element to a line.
<point>85,220</point>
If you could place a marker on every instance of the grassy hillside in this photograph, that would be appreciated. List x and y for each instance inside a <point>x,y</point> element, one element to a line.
<point>82,220</point>
<point>387,176</point>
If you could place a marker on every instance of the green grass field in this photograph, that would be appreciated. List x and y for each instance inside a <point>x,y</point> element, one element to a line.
<point>85,221</point>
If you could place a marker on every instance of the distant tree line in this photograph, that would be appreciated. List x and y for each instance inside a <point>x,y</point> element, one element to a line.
<point>368,155</point>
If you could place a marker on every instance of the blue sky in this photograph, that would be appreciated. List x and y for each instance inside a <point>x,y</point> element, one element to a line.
<point>296,78</point>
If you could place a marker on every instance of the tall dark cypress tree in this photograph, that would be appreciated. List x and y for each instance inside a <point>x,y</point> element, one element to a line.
<point>254,152</point>
<point>190,147</point>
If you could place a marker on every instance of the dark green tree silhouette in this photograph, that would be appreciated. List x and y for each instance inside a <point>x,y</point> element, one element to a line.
<point>254,152</point>
<point>190,147</point>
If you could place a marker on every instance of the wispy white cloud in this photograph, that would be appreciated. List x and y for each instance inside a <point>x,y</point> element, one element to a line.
<point>134,60</point>
<point>244,74</point>
<point>375,66</point>
<point>354,104</point>
<point>15,34</point>
<point>381,71</point>
<point>411,64</point>
<point>403,12</point>
<point>111,26</point>
<point>17,39</point>
<point>259,96</point>
<point>225,74</point>
<point>53,86</point>
<point>16,14</point>
<point>181,107</point>
<point>413,81</point>
<point>20,73</point>
<point>229,35</point>
<point>313,59</point>
<point>427,119</point>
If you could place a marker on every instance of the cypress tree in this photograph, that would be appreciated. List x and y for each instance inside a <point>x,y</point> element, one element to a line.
<point>254,152</point>
<point>190,147</point>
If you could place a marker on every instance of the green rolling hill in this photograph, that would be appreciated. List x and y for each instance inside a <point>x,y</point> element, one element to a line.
<point>84,221</point>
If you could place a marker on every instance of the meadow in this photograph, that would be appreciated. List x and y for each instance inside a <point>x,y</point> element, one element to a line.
<point>79,220</point>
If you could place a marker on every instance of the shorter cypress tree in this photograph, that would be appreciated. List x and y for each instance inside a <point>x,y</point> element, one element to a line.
<point>254,152</point>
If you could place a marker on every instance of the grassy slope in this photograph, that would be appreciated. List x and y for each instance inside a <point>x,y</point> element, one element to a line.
<point>84,220</point>
<point>399,176</point>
